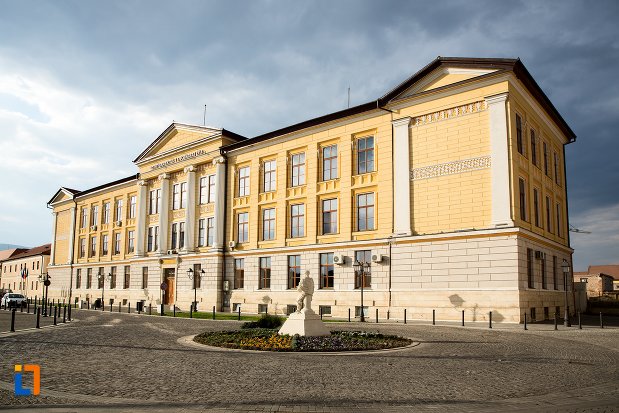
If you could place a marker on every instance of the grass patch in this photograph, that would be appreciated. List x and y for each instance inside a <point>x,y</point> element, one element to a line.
<point>209,316</point>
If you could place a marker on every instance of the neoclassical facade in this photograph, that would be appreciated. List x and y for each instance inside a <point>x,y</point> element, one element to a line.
<point>451,187</point>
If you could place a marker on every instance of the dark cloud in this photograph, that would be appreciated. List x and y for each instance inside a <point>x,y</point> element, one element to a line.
<point>261,65</point>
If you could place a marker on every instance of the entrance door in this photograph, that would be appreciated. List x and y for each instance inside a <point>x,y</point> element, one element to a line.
<point>168,294</point>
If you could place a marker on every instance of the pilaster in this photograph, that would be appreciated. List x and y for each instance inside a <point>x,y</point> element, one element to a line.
<point>190,211</point>
<point>220,176</point>
<point>401,177</point>
<point>52,254</point>
<point>141,218</point>
<point>72,236</point>
<point>164,203</point>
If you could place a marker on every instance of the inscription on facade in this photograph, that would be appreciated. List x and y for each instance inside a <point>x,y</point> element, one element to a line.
<point>178,159</point>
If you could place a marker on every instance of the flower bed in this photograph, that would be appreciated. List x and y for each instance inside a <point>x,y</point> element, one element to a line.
<point>268,340</point>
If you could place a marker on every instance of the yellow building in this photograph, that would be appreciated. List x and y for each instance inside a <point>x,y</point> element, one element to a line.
<point>23,271</point>
<point>451,187</point>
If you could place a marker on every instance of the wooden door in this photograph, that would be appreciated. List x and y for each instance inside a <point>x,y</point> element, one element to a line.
<point>168,297</point>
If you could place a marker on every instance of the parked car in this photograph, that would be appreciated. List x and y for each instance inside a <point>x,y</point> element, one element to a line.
<point>13,300</point>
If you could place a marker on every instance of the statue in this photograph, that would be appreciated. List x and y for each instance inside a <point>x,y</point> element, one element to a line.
<point>306,290</point>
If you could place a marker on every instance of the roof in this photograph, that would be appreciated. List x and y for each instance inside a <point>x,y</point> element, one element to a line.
<point>107,185</point>
<point>40,250</point>
<point>611,269</point>
<point>6,254</point>
<point>507,65</point>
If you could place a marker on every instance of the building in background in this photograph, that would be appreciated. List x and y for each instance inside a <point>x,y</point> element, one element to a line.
<point>600,279</point>
<point>22,271</point>
<point>451,187</point>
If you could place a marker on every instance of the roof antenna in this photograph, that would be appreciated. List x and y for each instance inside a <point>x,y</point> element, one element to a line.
<point>204,121</point>
<point>349,96</point>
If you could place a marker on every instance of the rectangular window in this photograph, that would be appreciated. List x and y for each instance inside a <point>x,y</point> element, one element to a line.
<point>559,221</point>
<point>263,308</point>
<point>176,196</point>
<point>153,238</point>
<point>94,217</point>
<point>519,142</point>
<point>181,235</point>
<point>536,207</point>
<point>324,310</point>
<point>244,181</point>
<point>174,242</point>
<point>533,148</point>
<point>211,188</point>
<point>127,277</point>
<point>523,199</point>
<point>530,279</point>
<point>104,244</point>
<point>365,155</point>
<point>294,271</point>
<point>155,197</point>
<point>132,206</point>
<point>144,278</point>
<point>82,247</point>
<point>326,270</point>
<point>93,246</point>
<point>113,278</point>
<point>242,220</point>
<point>329,216</point>
<point>88,278</point>
<point>184,195</point>
<point>201,233</point>
<point>298,169</point>
<point>365,212</point>
<point>204,190</point>
<point>297,220</point>
<point>545,148</point>
<point>119,210</point>
<point>106,213</point>
<point>269,176</point>
<point>268,224</point>
<point>557,169</point>
<point>554,272</point>
<point>131,243</point>
<point>210,231</point>
<point>84,218</point>
<point>197,275</point>
<point>363,257</point>
<point>78,279</point>
<point>329,162</point>
<point>239,273</point>
<point>117,246</point>
<point>548,214</point>
<point>264,277</point>
<point>543,268</point>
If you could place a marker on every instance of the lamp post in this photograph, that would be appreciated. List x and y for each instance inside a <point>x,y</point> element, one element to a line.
<point>566,272</point>
<point>361,269</point>
<point>190,274</point>
<point>101,277</point>
<point>45,278</point>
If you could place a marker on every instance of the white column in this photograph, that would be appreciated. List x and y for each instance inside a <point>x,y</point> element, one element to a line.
<point>190,210</point>
<point>164,203</point>
<point>72,238</point>
<point>401,177</point>
<point>52,254</point>
<point>499,146</point>
<point>220,184</point>
<point>141,218</point>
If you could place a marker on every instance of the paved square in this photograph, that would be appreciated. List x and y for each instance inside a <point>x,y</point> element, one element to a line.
<point>130,362</point>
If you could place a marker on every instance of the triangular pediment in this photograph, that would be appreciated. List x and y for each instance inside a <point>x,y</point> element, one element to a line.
<point>176,136</point>
<point>443,76</point>
<point>62,195</point>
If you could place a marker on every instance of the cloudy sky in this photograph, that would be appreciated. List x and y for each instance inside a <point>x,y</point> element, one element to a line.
<point>86,86</point>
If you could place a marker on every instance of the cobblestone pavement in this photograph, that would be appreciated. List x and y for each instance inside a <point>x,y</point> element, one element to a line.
<point>128,362</point>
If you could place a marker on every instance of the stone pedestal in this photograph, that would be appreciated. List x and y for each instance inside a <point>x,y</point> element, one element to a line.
<point>305,323</point>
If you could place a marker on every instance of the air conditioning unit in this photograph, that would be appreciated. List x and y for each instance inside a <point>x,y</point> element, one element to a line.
<point>93,228</point>
<point>377,258</point>
<point>119,223</point>
<point>338,259</point>
<point>540,255</point>
<point>170,252</point>
<point>232,244</point>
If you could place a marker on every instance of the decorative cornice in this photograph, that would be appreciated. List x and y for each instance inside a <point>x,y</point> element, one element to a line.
<point>500,98</point>
<point>401,122</point>
<point>451,168</point>
<point>219,160</point>
<point>142,182</point>
<point>190,168</point>
<point>450,113</point>
<point>163,176</point>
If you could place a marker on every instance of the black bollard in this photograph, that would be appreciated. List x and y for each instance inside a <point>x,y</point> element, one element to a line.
<point>21,307</point>
<point>213,312</point>
<point>349,315</point>
<point>28,306</point>
<point>490,320</point>
<point>433,317</point>
<point>377,316</point>
<point>174,311</point>
<point>579,322</point>
<point>64,314</point>
<point>462,318</point>
<point>111,307</point>
<point>556,321</point>
<point>13,320</point>
<point>601,321</point>
<point>525,321</point>
<point>128,308</point>
<point>320,311</point>
<point>191,310</point>
<point>119,307</point>
<point>239,310</point>
<point>102,306</point>
<point>55,311</point>
<point>38,317</point>
<point>405,316</point>
<point>150,309</point>
<point>35,305</point>
<point>69,315</point>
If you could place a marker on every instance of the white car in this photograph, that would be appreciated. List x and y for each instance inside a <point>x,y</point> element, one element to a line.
<point>13,300</point>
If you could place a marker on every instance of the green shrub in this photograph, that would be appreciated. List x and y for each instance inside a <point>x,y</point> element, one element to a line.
<point>266,321</point>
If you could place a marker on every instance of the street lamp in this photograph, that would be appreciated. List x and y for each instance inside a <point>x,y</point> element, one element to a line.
<point>45,278</point>
<point>101,277</point>
<point>566,272</point>
<point>191,308</point>
<point>361,269</point>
